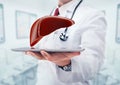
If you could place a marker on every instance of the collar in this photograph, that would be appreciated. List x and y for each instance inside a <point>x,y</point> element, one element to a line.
<point>69,7</point>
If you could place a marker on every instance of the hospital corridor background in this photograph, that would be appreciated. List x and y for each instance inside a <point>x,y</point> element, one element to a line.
<point>16,18</point>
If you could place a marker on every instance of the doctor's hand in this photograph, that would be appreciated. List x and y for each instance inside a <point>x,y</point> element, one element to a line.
<point>60,59</point>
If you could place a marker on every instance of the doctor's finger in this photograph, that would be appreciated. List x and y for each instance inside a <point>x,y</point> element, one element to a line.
<point>55,57</point>
<point>46,55</point>
<point>36,55</point>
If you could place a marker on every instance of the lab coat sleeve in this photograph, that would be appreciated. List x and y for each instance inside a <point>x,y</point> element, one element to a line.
<point>87,64</point>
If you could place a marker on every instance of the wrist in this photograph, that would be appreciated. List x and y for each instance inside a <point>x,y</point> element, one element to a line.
<point>66,67</point>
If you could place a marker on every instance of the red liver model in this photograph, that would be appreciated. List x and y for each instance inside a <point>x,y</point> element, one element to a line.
<point>45,25</point>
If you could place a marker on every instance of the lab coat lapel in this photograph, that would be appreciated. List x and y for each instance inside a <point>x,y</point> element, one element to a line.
<point>68,8</point>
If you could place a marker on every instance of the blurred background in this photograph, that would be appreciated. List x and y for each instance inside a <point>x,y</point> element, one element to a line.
<point>16,18</point>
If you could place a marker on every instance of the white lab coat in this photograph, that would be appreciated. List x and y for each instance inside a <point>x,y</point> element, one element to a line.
<point>88,31</point>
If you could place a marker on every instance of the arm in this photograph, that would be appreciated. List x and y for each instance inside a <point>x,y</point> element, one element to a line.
<point>87,64</point>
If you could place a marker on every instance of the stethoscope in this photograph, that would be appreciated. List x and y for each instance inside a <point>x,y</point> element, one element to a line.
<point>63,36</point>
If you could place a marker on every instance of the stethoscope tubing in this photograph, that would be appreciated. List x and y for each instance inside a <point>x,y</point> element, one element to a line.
<point>64,36</point>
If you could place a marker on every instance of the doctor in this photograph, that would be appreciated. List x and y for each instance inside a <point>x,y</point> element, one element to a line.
<point>76,68</point>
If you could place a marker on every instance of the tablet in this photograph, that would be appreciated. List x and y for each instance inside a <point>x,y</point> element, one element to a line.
<point>48,50</point>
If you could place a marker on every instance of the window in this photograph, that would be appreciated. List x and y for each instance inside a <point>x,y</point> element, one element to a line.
<point>2,34</point>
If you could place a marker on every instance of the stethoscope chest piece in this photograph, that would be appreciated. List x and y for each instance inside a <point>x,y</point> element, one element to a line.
<point>63,37</point>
